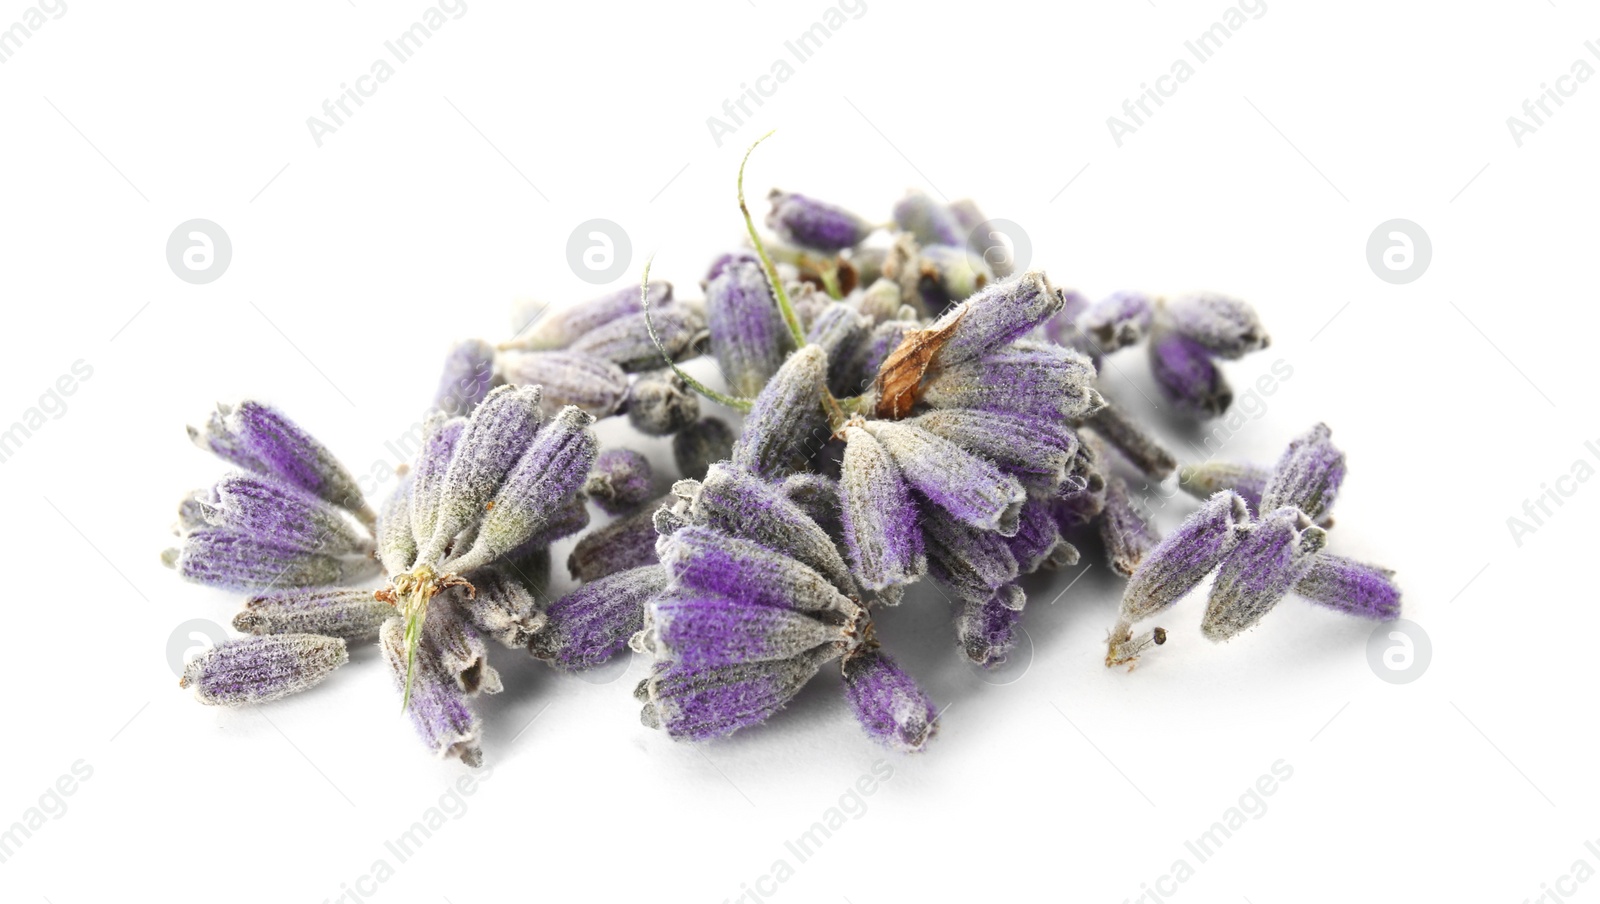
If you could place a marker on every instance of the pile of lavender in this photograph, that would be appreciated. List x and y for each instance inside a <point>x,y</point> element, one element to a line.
<point>908,410</point>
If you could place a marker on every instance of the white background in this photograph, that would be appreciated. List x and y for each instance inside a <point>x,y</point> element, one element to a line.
<point>356,263</point>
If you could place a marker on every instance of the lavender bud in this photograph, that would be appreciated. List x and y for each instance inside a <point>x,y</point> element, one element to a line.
<point>1227,327</point>
<point>1352,587</point>
<point>558,329</point>
<point>1126,535</point>
<point>840,331</point>
<point>748,334</point>
<point>709,630</point>
<point>260,438</point>
<point>818,496</point>
<point>1063,329</point>
<point>890,706</point>
<point>500,606</point>
<point>929,221</point>
<point>1204,480</point>
<point>786,421</point>
<point>1025,378</point>
<point>397,545</point>
<point>697,703</point>
<point>1038,542</point>
<point>1117,321</point>
<point>813,224</point>
<point>593,623</point>
<point>1137,446</point>
<point>620,481</point>
<point>1037,450</point>
<point>236,561</point>
<point>1187,377</point>
<point>428,476</point>
<point>710,563</point>
<point>468,376</point>
<point>1265,565</point>
<point>569,378</point>
<point>996,316</point>
<point>1185,557</point>
<point>262,669</point>
<point>741,505</point>
<point>881,528</point>
<point>281,515</point>
<point>546,476</point>
<point>700,445</point>
<point>461,651</point>
<point>1307,476</point>
<point>438,707</point>
<point>499,431</point>
<point>660,403</point>
<point>350,614</point>
<point>626,543</point>
<point>987,629</point>
<point>626,341</point>
<point>972,563</point>
<point>971,489</point>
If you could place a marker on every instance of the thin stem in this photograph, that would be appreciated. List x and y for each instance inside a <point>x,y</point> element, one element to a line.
<point>766,262</point>
<point>733,402</point>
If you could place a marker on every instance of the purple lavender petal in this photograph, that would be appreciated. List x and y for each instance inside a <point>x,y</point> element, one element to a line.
<point>260,438</point>
<point>880,521</point>
<point>1261,569</point>
<point>626,341</point>
<point>969,488</point>
<point>468,376</point>
<point>972,563</point>
<point>814,224</point>
<point>1038,542</point>
<point>1128,538</point>
<point>558,329</point>
<point>987,629</point>
<point>626,543</point>
<point>593,623</point>
<point>1204,480</point>
<point>741,505</point>
<point>569,378</point>
<point>460,648</point>
<point>1030,379</point>
<point>786,425</point>
<point>332,612</point>
<point>1187,377</point>
<point>236,561</point>
<point>697,703</point>
<point>1308,475</point>
<point>890,706</point>
<point>428,474</point>
<point>1227,327</point>
<point>1036,450</point>
<point>702,629</point>
<point>262,669</point>
<point>279,514</point>
<point>996,316</point>
<point>840,331</point>
<point>440,710</point>
<point>1352,587</point>
<point>619,481</point>
<point>1185,557</point>
<point>748,334</point>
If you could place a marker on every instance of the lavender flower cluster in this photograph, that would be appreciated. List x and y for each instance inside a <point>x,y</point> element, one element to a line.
<point>912,411</point>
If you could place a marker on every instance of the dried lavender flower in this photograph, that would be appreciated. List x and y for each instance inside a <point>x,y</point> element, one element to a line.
<point>1352,587</point>
<point>1024,378</point>
<point>696,629</point>
<point>262,669</point>
<point>660,403</point>
<point>972,563</point>
<point>1207,478</point>
<point>986,628</point>
<point>558,329</point>
<point>700,445</point>
<point>1141,449</point>
<point>880,521</point>
<point>698,703</point>
<point>1226,327</point>
<point>626,342</point>
<point>239,561</point>
<point>628,542</point>
<point>1265,565</point>
<point>1124,532</point>
<point>467,378</point>
<point>275,512</point>
<point>814,224</point>
<point>969,488</point>
<point>568,378</point>
<point>1036,450</point>
<point>929,221</point>
<point>1308,474</point>
<point>1185,556</point>
<point>1188,379</point>
<point>619,481</point>
<point>427,480</point>
<point>1117,321</point>
<point>786,418</point>
<point>953,274</point>
<point>330,611</point>
<point>968,215</point>
<point>748,335</point>
<point>439,708</point>
<point>818,496</point>
<point>500,606</point>
<point>594,622</point>
<point>711,563</point>
<point>891,707</point>
<point>498,433</point>
<point>1038,542</point>
<point>996,316</point>
<point>840,331</point>
<point>260,438</point>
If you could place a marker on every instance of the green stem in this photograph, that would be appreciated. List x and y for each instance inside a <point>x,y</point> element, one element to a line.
<point>778,292</point>
<point>733,402</point>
